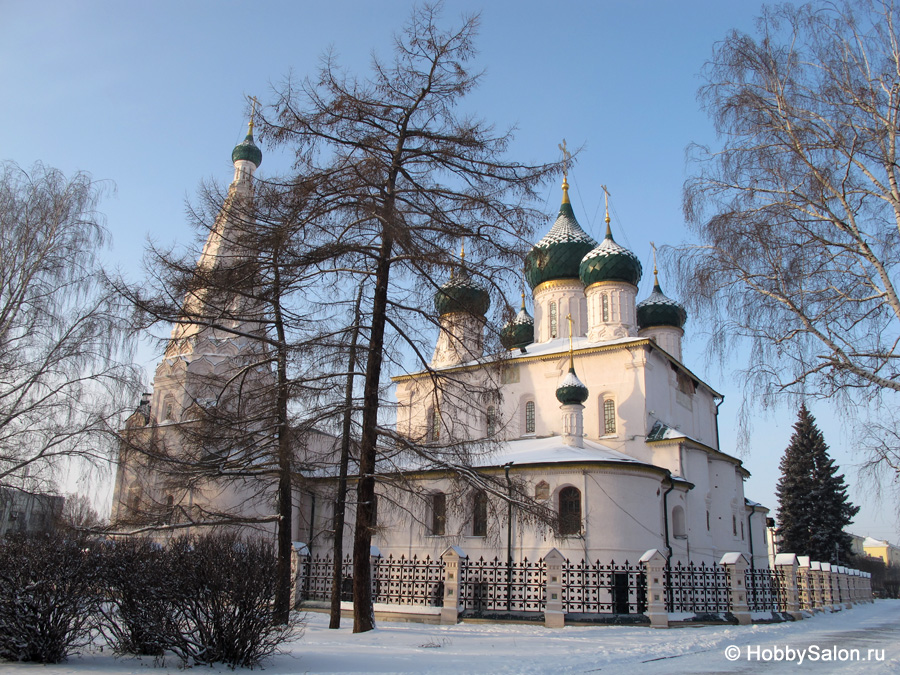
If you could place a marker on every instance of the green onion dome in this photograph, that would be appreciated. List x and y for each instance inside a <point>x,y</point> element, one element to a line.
<point>558,254</point>
<point>247,150</point>
<point>462,294</point>
<point>519,332</point>
<point>610,262</point>
<point>571,390</point>
<point>659,310</point>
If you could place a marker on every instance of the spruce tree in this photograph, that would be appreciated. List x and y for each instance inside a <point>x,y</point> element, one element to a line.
<point>813,507</point>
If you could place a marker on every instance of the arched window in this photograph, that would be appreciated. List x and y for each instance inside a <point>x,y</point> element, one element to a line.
<point>170,509</point>
<point>479,514</point>
<point>554,322</point>
<point>438,513</point>
<point>604,307</point>
<point>491,421</point>
<point>678,527</point>
<point>609,417</point>
<point>529,417</point>
<point>569,511</point>
<point>434,424</point>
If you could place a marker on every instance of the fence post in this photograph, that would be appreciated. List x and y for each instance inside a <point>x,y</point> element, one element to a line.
<point>827,587</point>
<point>554,616</point>
<point>846,594</point>
<point>299,551</point>
<point>450,611</point>
<point>654,563</point>
<point>817,593</point>
<point>787,564</point>
<point>736,564</point>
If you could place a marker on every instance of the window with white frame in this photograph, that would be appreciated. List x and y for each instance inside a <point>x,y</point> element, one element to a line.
<point>529,417</point>
<point>554,320</point>
<point>609,417</point>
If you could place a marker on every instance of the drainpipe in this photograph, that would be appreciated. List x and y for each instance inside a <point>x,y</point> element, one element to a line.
<point>721,401</point>
<point>666,523</point>
<point>509,560</point>
<point>750,533</point>
<point>666,513</point>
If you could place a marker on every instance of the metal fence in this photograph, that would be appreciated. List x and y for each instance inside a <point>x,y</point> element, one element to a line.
<point>490,587</point>
<point>701,589</point>
<point>595,588</point>
<point>765,590</point>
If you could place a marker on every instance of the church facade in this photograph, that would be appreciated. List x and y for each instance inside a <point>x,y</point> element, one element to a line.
<point>592,411</point>
<point>589,413</point>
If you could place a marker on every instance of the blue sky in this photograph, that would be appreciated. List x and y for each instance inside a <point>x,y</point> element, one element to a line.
<point>151,97</point>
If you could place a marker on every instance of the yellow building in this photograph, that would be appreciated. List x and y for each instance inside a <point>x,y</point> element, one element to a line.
<point>883,549</point>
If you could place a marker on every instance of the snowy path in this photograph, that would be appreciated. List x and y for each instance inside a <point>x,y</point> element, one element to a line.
<point>514,649</point>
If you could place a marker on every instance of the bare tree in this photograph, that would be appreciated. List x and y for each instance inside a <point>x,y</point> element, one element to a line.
<point>78,513</point>
<point>798,210</point>
<point>226,441</point>
<point>405,177</point>
<point>65,370</point>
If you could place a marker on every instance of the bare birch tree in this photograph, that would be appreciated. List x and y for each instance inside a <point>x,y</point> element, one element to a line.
<point>797,211</point>
<point>65,351</point>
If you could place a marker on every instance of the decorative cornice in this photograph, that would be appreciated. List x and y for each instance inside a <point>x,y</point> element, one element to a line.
<point>610,282</point>
<point>568,284</point>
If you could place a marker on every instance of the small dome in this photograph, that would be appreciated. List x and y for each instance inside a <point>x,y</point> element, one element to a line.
<point>519,332</point>
<point>659,310</point>
<point>610,262</point>
<point>558,254</point>
<point>461,294</point>
<point>247,150</point>
<point>571,390</point>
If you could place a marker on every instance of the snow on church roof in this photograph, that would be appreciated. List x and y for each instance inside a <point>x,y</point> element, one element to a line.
<point>552,450</point>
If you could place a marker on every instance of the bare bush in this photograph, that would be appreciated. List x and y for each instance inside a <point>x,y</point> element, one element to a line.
<point>48,598</point>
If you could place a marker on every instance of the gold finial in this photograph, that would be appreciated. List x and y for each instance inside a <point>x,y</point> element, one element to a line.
<point>253,104</point>
<point>606,201</point>
<point>523,299</point>
<point>655,271</point>
<point>462,251</point>
<point>567,156</point>
<point>571,352</point>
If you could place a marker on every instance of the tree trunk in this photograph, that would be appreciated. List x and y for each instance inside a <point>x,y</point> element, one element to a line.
<point>363,610</point>
<point>282,608</point>
<point>337,576</point>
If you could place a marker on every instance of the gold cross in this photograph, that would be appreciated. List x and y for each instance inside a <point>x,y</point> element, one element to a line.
<point>253,103</point>
<point>567,156</point>
<point>606,200</point>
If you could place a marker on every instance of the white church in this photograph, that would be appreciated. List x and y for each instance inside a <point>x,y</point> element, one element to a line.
<point>590,412</point>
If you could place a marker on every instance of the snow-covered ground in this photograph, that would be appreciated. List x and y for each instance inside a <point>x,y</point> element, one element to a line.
<point>872,630</point>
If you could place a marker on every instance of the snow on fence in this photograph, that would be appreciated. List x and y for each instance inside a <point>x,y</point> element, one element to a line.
<point>561,589</point>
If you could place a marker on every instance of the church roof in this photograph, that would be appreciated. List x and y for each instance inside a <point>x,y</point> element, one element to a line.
<point>247,150</point>
<point>609,262</point>
<point>659,310</point>
<point>519,332</point>
<point>462,294</point>
<point>552,450</point>
<point>571,390</point>
<point>558,254</point>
